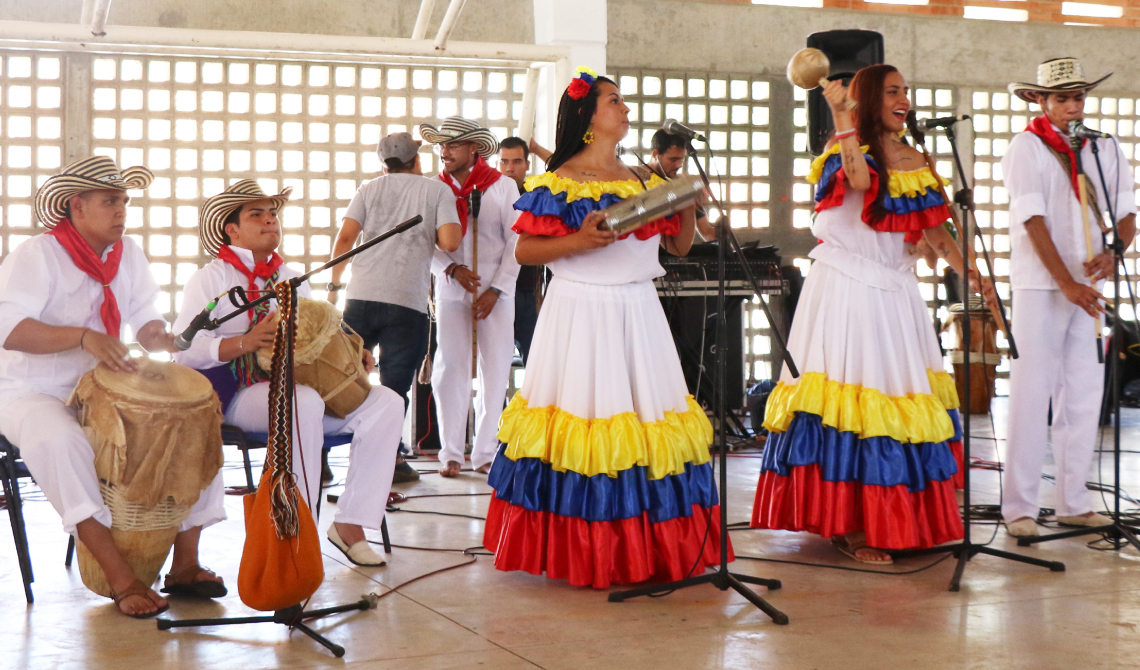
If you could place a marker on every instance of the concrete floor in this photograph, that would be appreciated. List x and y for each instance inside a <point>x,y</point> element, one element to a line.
<point>1007,615</point>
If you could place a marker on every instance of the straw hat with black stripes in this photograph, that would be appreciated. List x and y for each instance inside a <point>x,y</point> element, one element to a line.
<point>459,129</point>
<point>212,217</point>
<point>90,174</point>
<point>1058,75</point>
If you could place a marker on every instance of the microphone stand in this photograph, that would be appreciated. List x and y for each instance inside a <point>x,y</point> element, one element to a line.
<point>1118,532</point>
<point>967,548</point>
<point>722,578</point>
<point>294,616</point>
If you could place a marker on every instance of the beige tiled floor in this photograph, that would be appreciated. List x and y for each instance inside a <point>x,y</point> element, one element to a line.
<point>1007,615</point>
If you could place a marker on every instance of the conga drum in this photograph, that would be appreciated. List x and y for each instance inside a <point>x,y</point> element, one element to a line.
<point>157,437</point>
<point>983,358</point>
<point>328,357</point>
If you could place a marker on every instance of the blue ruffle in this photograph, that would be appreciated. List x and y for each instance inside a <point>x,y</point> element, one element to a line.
<point>831,165</point>
<point>534,485</point>
<point>844,457</point>
<point>541,202</point>
<point>917,203</point>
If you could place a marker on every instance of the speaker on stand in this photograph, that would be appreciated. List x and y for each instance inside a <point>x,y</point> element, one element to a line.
<point>849,51</point>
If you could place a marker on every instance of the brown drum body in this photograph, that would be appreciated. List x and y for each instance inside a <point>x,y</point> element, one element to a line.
<point>157,437</point>
<point>984,359</point>
<point>326,358</point>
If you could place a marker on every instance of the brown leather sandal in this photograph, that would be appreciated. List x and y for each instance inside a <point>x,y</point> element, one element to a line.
<point>189,583</point>
<point>137,588</point>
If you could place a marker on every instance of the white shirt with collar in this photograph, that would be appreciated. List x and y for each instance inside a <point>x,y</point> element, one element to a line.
<point>497,265</point>
<point>1039,186</point>
<point>38,280</point>
<point>211,281</point>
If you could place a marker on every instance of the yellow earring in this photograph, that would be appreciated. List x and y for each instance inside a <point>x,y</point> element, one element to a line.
<point>589,136</point>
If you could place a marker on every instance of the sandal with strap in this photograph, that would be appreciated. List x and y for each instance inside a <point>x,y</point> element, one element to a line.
<point>851,548</point>
<point>189,583</point>
<point>137,588</point>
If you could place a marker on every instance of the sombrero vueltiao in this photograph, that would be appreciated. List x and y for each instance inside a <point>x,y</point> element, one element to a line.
<point>459,129</point>
<point>90,174</point>
<point>212,218</point>
<point>1058,75</point>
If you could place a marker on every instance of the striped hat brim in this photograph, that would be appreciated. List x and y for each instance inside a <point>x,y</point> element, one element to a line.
<point>212,217</point>
<point>1028,92</point>
<point>486,142</point>
<point>90,174</point>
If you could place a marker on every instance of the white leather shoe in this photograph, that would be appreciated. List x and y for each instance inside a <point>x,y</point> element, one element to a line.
<point>1023,527</point>
<point>1090,520</point>
<point>359,554</point>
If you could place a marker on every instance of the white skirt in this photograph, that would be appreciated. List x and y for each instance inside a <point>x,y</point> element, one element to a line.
<point>600,351</point>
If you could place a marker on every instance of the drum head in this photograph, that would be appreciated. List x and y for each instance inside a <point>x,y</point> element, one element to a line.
<point>317,322</point>
<point>157,382</point>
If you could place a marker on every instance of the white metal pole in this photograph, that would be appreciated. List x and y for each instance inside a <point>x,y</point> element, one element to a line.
<point>448,24</point>
<point>530,94</point>
<point>99,17</point>
<point>86,12</point>
<point>423,19</point>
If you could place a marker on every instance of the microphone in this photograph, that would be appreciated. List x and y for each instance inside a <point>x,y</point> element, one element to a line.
<point>675,127</point>
<point>1080,130</point>
<point>942,121</point>
<point>182,342</point>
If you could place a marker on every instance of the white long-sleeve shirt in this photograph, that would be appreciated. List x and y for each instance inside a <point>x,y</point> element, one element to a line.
<point>497,265</point>
<point>208,283</point>
<point>1039,186</point>
<point>38,280</point>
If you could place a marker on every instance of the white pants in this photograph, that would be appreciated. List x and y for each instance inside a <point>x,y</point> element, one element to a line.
<point>451,377</point>
<point>375,428</point>
<point>1057,360</point>
<point>62,462</point>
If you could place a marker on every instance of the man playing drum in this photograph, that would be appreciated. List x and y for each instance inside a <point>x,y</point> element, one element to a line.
<point>64,299</point>
<point>240,229</point>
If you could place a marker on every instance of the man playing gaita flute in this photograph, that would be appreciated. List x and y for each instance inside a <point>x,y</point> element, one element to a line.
<point>64,297</point>
<point>1056,296</point>
<point>463,295</point>
<point>240,229</point>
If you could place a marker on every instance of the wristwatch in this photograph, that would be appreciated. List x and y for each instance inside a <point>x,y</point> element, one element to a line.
<point>335,287</point>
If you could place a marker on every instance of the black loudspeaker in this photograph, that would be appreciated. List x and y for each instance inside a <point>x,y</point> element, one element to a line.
<point>849,51</point>
<point>693,324</point>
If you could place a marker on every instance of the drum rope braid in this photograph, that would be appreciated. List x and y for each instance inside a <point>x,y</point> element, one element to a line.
<point>279,454</point>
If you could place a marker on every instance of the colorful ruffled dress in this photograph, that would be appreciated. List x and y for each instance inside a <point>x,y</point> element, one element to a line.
<point>867,438</point>
<point>604,473</point>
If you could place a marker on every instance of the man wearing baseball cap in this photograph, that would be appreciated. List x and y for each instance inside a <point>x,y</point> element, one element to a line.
<point>387,301</point>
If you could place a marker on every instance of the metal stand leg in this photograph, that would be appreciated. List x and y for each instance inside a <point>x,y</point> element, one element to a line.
<point>16,517</point>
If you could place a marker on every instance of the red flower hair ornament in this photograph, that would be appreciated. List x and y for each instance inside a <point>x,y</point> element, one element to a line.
<point>580,87</point>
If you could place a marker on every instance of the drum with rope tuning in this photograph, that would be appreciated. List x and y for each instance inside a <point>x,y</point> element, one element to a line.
<point>984,356</point>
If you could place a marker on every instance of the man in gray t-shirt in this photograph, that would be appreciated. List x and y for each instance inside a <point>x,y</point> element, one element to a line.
<point>388,298</point>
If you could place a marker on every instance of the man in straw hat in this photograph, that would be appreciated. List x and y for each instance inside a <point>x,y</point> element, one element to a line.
<point>387,302</point>
<point>463,297</point>
<point>240,228</point>
<point>64,299</point>
<point>1056,296</point>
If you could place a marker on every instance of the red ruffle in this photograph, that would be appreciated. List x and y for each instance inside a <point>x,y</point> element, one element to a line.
<point>912,223</point>
<point>892,516</point>
<point>959,477</point>
<point>541,225</point>
<point>554,226</point>
<point>602,553</point>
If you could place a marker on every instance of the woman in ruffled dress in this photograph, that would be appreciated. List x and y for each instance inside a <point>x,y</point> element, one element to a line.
<point>604,474</point>
<point>865,444</point>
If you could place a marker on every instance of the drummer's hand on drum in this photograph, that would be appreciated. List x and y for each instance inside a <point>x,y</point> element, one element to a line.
<point>1084,296</point>
<point>154,338</point>
<point>466,278</point>
<point>590,236</point>
<point>369,361</point>
<point>261,335</point>
<point>109,350</point>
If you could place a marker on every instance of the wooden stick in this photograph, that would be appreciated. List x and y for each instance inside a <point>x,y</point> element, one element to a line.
<point>1082,188</point>
<point>474,206</point>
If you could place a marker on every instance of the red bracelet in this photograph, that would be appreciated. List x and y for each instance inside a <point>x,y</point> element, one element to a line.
<point>844,133</point>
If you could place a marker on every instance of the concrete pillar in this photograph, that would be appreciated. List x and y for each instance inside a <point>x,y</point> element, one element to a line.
<point>581,25</point>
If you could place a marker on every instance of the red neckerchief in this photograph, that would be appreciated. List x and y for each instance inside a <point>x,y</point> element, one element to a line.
<point>262,270</point>
<point>1043,128</point>
<point>91,265</point>
<point>482,177</point>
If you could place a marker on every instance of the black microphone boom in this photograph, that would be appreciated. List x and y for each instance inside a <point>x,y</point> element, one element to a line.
<point>675,127</point>
<point>1080,130</point>
<point>942,121</point>
<point>183,341</point>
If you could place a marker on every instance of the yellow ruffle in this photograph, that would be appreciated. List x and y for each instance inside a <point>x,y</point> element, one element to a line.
<point>593,190</point>
<point>914,418</point>
<point>909,183</point>
<point>606,446</point>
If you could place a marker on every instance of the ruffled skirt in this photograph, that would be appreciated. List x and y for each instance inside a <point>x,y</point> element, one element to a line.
<point>604,475</point>
<point>868,437</point>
